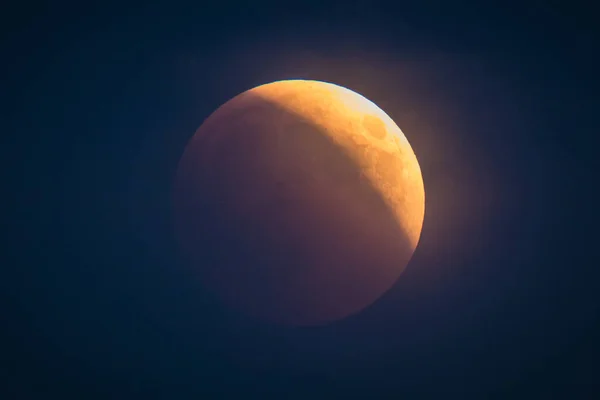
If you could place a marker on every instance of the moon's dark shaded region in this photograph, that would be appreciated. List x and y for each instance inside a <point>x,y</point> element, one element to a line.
<point>278,220</point>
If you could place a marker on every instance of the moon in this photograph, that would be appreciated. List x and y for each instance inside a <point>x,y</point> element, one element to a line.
<point>298,202</point>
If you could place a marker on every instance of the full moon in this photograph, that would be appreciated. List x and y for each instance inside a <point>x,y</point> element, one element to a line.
<point>298,202</point>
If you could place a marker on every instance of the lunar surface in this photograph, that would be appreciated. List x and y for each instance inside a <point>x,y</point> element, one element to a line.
<point>299,202</point>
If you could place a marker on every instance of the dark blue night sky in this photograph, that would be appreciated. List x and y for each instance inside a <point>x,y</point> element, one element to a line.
<point>499,301</point>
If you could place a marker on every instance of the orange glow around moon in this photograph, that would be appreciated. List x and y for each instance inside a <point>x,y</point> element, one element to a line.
<point>299,201</point>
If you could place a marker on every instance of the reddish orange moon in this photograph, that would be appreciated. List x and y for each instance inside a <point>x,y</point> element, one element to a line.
<point>299,202</point>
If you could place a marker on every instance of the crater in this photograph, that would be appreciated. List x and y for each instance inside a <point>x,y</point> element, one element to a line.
<point>374,127</point>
